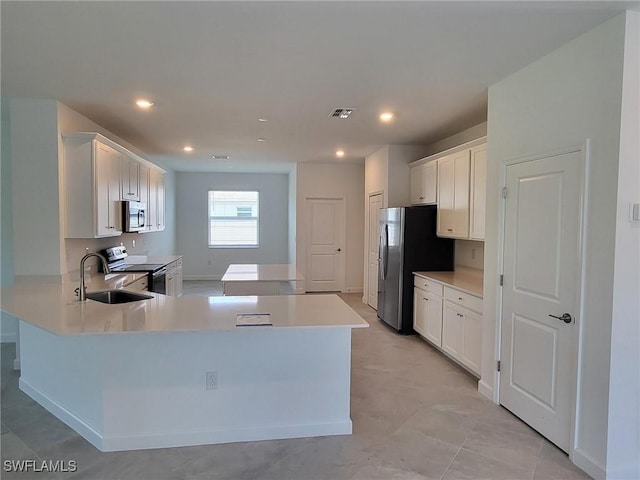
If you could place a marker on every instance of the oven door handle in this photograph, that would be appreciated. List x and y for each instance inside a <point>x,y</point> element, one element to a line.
<point>160,273</point>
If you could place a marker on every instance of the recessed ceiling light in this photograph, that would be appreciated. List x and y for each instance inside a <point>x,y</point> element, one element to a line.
<point>386,116</point>
<point>262,139</point>
<point>188,148</point>
<point>142,103</point>
<point>340,153</point>
<point>263,119</point>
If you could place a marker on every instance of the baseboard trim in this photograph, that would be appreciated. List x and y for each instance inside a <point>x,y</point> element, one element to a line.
<point>485,390</point>
<point>587,463</point>
<point>64,415</point>
<point>182,439</point>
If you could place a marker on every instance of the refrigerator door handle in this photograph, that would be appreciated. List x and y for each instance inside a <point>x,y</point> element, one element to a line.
<point>385,265</point>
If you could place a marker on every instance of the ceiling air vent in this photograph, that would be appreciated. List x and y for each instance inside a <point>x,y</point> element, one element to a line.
<point>341,112</point>
<point>221,157</point>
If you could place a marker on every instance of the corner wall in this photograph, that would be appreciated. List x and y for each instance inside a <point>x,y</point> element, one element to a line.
<point>334,181</point>
<point>203,263</point>
<point>559,101</point>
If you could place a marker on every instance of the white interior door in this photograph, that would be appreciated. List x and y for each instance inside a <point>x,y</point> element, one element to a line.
<point>325,233</point>
<point>375,204</point>
<point>541,283</point>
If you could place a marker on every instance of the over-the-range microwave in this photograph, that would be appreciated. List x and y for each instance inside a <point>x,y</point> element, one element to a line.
<point>133,216</point>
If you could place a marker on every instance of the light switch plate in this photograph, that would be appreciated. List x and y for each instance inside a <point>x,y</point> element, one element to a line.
<point>634,212</point>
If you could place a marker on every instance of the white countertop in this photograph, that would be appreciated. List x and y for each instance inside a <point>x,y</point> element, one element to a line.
<point>252,272</point>
<point>54,307</point>
<point>469,280</point>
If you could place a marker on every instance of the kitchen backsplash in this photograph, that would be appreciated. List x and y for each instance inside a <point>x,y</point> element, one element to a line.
<point>76,247</point>
<point>469,253</point>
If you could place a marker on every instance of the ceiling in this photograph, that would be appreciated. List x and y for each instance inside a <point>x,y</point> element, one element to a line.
<point>214,68</point>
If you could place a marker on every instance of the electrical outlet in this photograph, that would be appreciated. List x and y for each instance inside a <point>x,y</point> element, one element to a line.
<point>209,261</point>
<point>473,254</point>
<point>133,244</point>
<point>211,381</point>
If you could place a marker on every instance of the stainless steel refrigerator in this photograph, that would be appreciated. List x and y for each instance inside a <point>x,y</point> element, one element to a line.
<point>407,243</point>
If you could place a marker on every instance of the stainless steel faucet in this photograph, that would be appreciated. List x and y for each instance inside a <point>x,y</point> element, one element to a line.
<point>82,294</point>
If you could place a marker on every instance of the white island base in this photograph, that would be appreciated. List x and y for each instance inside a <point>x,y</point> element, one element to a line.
<point>148,390</point>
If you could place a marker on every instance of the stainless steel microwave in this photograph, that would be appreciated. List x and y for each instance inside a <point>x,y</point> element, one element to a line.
<point>133,216</point>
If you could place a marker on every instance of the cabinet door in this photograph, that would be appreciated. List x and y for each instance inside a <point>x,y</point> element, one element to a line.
<point>144,193</point>
<point>420,311</point>
<point>430,182</point>
<point>160,201</point>
<point>434,319</point>
<point>417,184</point>
<point>452,330</point>
<point>179,278</point>
<point>471,340</point>
<point>107,191</point>
<point>477,207</point>
<point>101,185</point>
<point>130,179</point>
<point>152,205</point>
<point>115,208</point>
<point>453,195</point>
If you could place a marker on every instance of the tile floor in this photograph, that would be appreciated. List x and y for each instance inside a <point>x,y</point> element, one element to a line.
<point>415,417</point>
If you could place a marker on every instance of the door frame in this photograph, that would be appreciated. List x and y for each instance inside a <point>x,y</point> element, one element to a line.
<point>343,261</point>
<point>365,283</point>
<point>577,337</point>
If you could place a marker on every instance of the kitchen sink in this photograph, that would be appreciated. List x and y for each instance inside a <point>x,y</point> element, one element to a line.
<point>117,296</point>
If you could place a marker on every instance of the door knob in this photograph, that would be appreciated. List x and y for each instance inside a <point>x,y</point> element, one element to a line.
<point>566,318</point>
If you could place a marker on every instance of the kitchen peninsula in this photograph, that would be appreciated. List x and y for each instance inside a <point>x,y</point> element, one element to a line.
<point>172,371</point>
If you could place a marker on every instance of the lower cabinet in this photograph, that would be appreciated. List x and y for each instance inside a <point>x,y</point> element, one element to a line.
<point>139,285</point>
<point>174,278</point>
<point>452,323</point>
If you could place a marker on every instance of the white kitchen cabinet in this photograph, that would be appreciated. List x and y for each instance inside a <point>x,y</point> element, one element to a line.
<point>424,183</point>
<point>155,201</point>
<point>453,195</point>
<point>94,181</point>
<point>139,285</point>
<point>92,187</point>
<point>427,305</point>
<point>478,192</point>
<point>450,319</point>
<point>174,278</point>
<point>130,186</point>
<point>462,328</point>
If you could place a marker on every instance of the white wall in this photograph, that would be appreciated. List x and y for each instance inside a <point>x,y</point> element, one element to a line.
<point>293,180</point>
<point>623,440</point>
<point>202,262</point>
<point>334,181</point>
<point>469,253</point>
<point>559,101</point>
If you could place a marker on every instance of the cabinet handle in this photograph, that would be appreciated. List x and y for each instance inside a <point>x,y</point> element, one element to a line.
<point>449,229</point>
<point>421,198</point>
<point>425,299</point>
<point>460,298</point>
<point>459,314</point>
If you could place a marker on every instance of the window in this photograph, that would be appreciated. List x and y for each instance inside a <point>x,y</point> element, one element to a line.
<point>233,219</point>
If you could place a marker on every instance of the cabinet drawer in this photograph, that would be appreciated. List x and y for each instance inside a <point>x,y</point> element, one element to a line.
<point>140,285</point>
<point>461,298</point>
<point>179,262</point>
<point>427,285</point>
<point>171,268</point>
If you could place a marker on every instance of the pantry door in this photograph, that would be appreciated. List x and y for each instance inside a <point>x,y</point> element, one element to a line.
<point>325,233</point>
<point>375,204</point>
<point>541,292</point>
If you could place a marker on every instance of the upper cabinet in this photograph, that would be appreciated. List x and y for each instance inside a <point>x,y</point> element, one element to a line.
<point>98,175</point>
<point>478,192</point>
<point>423,183</point>
<point>130,179</point>
<point>155,202</point>
<point>453,195</point>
